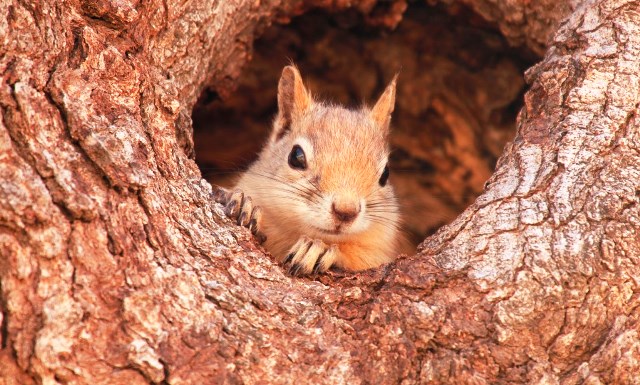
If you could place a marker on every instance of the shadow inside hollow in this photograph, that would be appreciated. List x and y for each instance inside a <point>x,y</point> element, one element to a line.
<point>459,90</point>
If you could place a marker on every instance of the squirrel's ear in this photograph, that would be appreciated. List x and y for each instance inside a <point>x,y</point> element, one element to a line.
<point>381,112</point>
<point>293,100</point>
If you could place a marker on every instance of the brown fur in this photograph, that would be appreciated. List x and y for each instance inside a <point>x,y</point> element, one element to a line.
<point>346,152</point>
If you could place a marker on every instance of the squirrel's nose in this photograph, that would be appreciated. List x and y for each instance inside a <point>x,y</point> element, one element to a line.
<point>345,210</point>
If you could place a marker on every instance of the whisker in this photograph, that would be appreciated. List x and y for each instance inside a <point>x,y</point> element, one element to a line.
<point>289,194</point>
<point>276,197</point>
<point>387,224</point>
<point>380,204</point>
<point>317,189</point>
<point>286,183</point>
<point>381,212</point>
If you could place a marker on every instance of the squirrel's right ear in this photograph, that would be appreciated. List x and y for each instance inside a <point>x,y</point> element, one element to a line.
<point>381,112</point>
<point>293,100</point>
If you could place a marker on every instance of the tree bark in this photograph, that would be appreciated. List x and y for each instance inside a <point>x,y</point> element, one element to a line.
<point>117,267</point>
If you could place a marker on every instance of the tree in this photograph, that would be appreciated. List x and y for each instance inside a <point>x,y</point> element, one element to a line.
<point>117,267</point>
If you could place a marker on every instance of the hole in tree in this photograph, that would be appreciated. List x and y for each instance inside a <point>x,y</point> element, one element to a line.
<point>459,91</point>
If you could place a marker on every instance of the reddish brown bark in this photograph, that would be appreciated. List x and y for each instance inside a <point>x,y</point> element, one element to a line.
<point>116,267</point>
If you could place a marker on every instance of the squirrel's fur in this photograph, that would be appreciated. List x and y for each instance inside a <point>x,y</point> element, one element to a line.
<point>336,210</point>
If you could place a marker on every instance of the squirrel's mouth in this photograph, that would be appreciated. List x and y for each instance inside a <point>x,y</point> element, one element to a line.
<point>332,232</point>
<point>339,230</point>
<point>335,231</point>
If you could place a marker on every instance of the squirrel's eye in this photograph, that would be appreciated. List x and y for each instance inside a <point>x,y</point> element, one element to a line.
<point>384,176</point>
<point>297,158</point>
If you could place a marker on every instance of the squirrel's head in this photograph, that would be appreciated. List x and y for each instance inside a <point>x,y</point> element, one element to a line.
<point>331,163</point>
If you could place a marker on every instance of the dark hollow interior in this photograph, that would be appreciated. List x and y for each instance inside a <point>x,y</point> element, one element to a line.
<point>458,94</point>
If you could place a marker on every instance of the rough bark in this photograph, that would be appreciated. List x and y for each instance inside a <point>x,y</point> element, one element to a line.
<point>116,267</point>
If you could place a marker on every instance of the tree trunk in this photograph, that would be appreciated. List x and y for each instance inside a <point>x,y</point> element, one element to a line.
<point>117,267</point>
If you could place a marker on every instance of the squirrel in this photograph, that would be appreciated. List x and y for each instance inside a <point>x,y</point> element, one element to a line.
<point>318,195</point>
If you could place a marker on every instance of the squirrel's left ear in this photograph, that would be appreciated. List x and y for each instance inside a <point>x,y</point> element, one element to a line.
<point>293,101</point>
<point>381,112</point>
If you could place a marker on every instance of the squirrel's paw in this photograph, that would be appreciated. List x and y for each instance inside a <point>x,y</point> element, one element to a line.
<point>240,207</point>
<point>310,256</point>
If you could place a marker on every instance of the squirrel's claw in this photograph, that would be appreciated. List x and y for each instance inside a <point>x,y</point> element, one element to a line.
<point>255,224</point>
<point>310,256</point>
<point>245,212</point>
<point>220,194</point>
<point>234,204</point>
<point>240,207</point>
